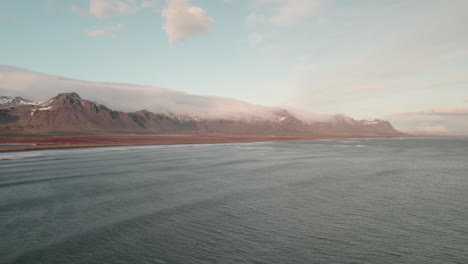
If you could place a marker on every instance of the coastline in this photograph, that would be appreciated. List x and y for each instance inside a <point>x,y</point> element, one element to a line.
<point>41,142</point>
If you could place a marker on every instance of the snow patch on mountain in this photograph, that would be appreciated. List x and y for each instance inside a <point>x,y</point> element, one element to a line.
<point>11,101</point>
<point>44,108</point>
<point>371,122</point>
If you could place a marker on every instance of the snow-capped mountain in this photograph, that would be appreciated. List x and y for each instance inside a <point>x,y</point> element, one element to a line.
<point>68,112</point>
<point>12,101</point>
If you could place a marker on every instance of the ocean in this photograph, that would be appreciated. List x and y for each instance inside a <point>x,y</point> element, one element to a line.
<point>402,200</point>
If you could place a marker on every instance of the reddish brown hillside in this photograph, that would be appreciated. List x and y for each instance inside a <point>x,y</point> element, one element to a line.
<point>69,113</point>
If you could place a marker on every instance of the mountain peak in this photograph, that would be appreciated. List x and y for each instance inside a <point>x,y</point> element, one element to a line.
<point>11,101</point>
<point>71,98</point>
<point>68,112</point>
<point>66,97</point>
<point>72,95</point>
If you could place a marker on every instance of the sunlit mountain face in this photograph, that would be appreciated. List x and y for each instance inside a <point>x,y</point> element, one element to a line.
<point>68,112</point>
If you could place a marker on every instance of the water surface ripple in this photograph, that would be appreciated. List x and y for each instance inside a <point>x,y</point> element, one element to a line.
<point>328,201</point>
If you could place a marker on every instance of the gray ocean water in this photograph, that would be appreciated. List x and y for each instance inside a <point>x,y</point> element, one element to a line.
<point>336,201</point>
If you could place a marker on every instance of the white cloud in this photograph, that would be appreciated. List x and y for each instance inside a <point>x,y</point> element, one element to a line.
<point>107,8</point>
<point>437,129</point>
<point>183,21</point>
<point>286,12</point>
<point>447,111</point>
<point>410,59</point>
<point>128,97</point>
<point>255,39</point>
<point>293,11</point>
<point>367,88</point>
<point>131,97</point>
<point>108,32</point>
<point>254,19</point>
<point>148,3</point>
<point>433,121</point>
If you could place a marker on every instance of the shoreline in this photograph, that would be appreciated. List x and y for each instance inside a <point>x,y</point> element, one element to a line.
<point>43,142</point>
<point>40,142</point>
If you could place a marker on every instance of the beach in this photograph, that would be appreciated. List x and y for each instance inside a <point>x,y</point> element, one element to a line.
<point>39,142</point>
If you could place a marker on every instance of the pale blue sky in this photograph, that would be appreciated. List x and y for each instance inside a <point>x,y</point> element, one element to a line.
<point>368,59</point>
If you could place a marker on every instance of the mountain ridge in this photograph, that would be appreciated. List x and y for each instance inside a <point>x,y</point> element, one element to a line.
<point>68,113</point>
<point>133,97</point>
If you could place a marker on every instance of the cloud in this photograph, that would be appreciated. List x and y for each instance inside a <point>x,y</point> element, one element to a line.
<point>75,9</point>
<point>254,19</point>
<point>293,11</point>
<point>311,117</point>
<point>183,21</point>
<point>107,8</point>
<point>448,111</point>
<point>128,97</point>
<point>433,121</point>
<point>108,32</point>
<point>367,88</point>
<point>255,39</point>
<point>148,3</point>
<point>438,129</point>
<point>409,58</point>
<point>286,12</point>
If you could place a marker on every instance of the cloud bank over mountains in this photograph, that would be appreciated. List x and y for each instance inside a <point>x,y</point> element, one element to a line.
<point>443,120</point>
<point>131,97</point>
<point>447,111</point>
<point>127,97</point>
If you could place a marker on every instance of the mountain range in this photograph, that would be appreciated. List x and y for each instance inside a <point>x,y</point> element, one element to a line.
<point>69,113</point>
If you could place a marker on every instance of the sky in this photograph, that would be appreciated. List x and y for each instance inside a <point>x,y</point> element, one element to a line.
<point>403,61</point>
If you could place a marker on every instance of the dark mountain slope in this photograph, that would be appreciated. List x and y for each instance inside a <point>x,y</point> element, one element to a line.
<point>68,112</point>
